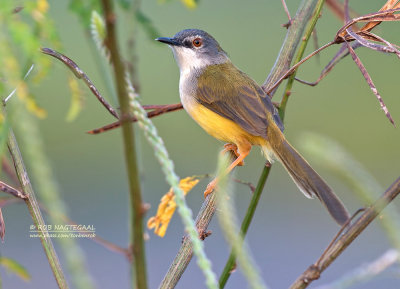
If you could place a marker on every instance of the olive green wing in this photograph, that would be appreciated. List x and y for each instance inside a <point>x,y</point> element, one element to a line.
<point>239,99</point>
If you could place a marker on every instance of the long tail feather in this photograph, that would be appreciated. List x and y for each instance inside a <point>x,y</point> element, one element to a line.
<point>308,180</point>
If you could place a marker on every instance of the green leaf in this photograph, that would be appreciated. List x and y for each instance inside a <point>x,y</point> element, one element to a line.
<point>13,267</point>
<point>147,25</point>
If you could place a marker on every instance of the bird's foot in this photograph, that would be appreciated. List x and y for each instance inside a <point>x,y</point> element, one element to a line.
<point>233,149</point>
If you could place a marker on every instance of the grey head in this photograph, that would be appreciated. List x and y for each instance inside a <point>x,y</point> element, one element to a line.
<point>195,49</point>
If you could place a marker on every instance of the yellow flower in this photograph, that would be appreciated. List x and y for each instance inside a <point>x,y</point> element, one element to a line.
<point>191,4</point>
<point>42,6</point>
<point>167,207</point>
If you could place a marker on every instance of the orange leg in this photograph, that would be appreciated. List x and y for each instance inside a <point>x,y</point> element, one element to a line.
<point>242,151</point>
<point>232,148</point>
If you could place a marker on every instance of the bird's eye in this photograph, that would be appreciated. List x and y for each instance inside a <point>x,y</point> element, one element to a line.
<point>197,42</point>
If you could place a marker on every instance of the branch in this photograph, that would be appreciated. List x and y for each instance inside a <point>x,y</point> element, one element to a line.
<point>158,110</point>
<point>12,191</point>
<point>365,272</point>
<point>337,247</point>
<point>185,252</point>
<point>80,75</point>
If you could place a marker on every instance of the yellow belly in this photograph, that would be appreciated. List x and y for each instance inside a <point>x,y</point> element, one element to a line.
<point>220,127</point>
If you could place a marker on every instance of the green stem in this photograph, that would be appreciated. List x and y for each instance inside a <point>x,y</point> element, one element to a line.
<point>230,264</point>
<point>34,210</point>
<point>139,274</point>
<point>291,42</point>
<point>228,221</point>
<point>299,56</point>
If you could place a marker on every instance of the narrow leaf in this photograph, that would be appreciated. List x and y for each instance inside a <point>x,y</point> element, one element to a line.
<point>370,82</point>
<point>15,268</point>
<point>390,4</point>
<point>388,48</point>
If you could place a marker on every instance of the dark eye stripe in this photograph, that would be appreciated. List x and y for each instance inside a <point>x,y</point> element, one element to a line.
<point>187,43</point>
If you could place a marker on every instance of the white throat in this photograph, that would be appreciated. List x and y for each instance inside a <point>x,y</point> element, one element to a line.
<point>189,59</point>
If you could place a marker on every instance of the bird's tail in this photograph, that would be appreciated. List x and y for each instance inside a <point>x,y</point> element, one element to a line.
<point>308,180</point>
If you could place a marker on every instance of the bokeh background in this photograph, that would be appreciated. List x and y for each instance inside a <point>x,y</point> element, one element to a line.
<point>289,232</point>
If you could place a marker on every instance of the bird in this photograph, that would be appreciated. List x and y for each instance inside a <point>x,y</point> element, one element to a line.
<point>232,107</point>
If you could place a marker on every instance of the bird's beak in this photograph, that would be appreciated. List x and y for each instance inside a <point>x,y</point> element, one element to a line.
<point>169,41</point>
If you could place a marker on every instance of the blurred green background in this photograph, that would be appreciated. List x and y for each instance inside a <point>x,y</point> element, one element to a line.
<point>289,232</point>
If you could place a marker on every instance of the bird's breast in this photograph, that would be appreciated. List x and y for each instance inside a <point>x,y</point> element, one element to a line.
<point>214,124</point>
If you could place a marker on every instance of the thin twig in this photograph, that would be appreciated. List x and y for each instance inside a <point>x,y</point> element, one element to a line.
<point>314,271</point>
<point>80,75</point>
<point>343,52</point>
<point>249,184</point>
<point>10,190</point>
<point>294,67</point>
<point>287,25</point>
<point>158,110</point>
